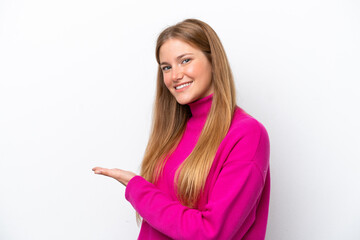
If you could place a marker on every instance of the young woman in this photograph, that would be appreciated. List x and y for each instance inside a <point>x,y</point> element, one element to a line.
<point>205,172</point>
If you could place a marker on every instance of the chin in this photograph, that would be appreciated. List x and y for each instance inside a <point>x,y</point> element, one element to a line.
<point>182,102</point>
<point>185,100</point>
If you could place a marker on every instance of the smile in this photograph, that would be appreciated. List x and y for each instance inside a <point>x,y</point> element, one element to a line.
<point>182,86</point>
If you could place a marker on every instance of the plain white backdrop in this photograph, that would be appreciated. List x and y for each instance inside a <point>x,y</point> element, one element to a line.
<point>77,83</point>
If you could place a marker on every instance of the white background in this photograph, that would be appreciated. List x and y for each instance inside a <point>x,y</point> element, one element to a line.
<point>77,83</point>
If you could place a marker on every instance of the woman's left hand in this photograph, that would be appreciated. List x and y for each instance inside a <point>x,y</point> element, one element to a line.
<point>121,175</point>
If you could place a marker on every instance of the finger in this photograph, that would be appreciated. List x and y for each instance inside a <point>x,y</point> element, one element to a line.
<point>106,172</point>
<point>94,168</point>
<point>99,170</point>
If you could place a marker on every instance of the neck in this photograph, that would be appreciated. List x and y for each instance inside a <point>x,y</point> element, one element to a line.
<point>200,108</point>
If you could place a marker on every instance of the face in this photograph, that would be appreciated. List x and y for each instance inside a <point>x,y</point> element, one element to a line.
<point>186,71</point>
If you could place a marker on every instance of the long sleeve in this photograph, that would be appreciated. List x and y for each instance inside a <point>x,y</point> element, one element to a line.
<point>233,196</point>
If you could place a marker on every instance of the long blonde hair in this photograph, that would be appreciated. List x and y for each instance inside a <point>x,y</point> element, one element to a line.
<point>170,117</point>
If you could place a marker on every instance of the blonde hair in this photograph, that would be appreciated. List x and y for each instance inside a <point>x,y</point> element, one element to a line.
<point>170,117</point>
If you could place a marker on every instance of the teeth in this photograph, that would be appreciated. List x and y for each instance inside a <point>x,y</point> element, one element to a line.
<point>182,86</point>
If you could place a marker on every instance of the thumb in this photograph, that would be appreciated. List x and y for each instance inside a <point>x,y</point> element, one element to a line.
<point>100,170</point>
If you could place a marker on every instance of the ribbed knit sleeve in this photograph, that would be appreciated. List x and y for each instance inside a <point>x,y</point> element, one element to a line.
<point>232,200</point>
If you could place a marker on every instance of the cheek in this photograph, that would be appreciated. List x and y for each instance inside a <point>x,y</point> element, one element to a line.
<point>207,73</point>
<point>167,80</point>
<point>200,72</point>
<point>191,70</point>
<point>200,67</point>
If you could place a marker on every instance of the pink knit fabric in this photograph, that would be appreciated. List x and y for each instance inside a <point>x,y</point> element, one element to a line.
<point>235,202</point>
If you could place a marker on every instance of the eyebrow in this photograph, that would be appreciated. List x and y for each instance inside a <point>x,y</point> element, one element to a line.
<point>178,57</point>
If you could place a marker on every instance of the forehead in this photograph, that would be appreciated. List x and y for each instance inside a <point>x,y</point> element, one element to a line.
<point>174,47</point>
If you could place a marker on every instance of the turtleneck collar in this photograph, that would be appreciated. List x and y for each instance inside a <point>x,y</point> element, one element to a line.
<point>201,107</point>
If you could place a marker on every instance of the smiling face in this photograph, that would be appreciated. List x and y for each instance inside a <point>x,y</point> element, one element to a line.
<point>186,71</point>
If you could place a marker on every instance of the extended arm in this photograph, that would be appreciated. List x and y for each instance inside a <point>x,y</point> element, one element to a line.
<point>233,197</point>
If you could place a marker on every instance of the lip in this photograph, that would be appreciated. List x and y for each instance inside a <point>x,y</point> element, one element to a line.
<point>182,84</point>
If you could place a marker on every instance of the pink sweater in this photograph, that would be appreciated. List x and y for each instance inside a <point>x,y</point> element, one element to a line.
<point>236,199</point>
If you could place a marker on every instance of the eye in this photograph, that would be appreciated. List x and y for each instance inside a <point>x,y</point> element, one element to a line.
<point>165,68</point>
<point>186,60</point>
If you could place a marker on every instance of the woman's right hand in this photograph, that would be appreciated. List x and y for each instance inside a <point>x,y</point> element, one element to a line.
<point>118,174</point>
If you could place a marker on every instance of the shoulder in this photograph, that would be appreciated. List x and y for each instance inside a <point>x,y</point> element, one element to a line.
<point>244,125</point>
<point>247,141</point>
<point>246,144</point>
<point>245,133</point>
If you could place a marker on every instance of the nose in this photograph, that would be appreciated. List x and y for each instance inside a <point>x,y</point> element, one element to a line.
<point>177,74</point>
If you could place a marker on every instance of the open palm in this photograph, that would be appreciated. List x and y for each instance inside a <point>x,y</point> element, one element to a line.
<point>118,174</point>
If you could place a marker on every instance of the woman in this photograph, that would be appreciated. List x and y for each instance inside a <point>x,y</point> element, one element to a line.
<point>205,172</point>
